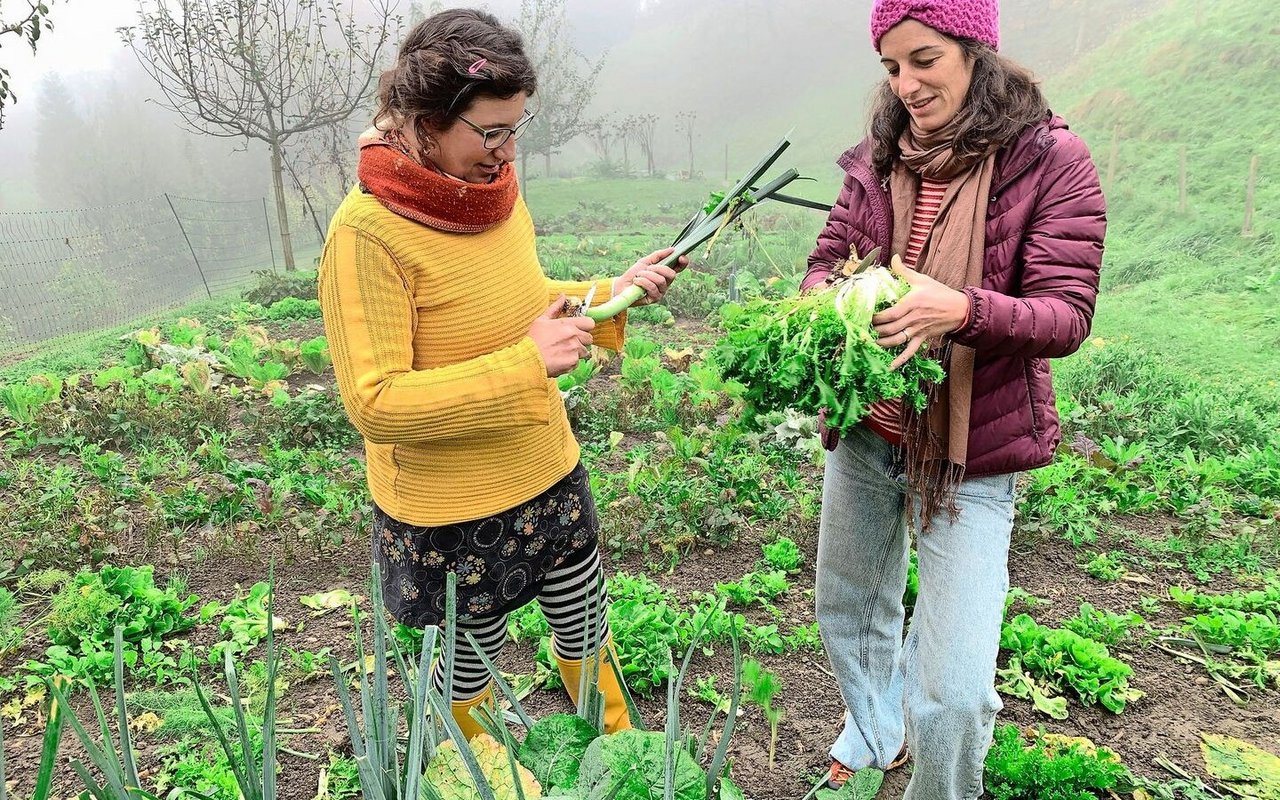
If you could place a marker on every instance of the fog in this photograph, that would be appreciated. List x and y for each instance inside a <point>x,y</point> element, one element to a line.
<point>84,130</point>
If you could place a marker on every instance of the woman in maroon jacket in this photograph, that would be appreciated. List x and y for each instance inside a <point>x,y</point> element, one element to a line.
<point>996,210</point>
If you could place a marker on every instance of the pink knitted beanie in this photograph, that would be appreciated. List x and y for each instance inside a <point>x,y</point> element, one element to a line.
<point>971,19</point>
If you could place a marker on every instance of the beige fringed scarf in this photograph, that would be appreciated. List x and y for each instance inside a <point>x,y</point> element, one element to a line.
<point>937,441</point>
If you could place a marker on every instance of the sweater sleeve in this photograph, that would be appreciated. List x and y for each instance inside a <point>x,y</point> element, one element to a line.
<point>369,318</point>
<point>1062,256</point>
<point>608,334</point>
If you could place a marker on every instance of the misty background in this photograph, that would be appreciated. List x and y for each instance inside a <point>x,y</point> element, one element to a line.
<point>84,131</point>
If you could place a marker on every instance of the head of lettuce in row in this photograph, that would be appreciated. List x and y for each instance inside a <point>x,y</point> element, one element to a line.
<point>995,209</point>
<point>447,338</point>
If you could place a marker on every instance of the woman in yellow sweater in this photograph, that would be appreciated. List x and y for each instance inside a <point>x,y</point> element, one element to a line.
<point>446,353</point>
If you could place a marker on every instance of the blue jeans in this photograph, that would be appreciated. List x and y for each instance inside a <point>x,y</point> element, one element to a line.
<point>936,691</point>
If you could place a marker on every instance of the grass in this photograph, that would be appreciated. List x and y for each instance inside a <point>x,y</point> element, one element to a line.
<point>627,198</point>
<point>1185,283</point>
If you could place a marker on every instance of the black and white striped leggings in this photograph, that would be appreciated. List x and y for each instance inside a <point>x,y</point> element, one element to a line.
<point>565,597</point>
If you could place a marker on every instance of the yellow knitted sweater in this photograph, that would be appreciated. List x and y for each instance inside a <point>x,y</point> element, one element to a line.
<point>429,333</point>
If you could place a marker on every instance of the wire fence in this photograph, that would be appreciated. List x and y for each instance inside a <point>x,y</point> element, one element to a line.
<point>69,272</point>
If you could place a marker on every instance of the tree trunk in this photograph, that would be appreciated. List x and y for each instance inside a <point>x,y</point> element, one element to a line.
<point>282,213</point>
<point>547,156</point>
<point>524,173</point>
<point>306,199</point>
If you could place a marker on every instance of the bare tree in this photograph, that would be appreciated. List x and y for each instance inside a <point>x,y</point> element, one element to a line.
<point>566,80</point>
<point>322,166</point>
<point>28,26</point>
<point>602,134</point>
<point>626,132</point>
<point>643,128</point>
<point>260,69</point>
<point>685,121</point>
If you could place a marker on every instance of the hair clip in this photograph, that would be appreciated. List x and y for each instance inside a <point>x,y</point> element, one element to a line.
<point>474,68</point>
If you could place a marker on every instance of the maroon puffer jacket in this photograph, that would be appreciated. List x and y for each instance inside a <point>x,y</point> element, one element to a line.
<point>1045,226</point>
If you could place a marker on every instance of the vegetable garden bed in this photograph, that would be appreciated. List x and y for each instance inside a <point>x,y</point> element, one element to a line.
<point>210,474</point>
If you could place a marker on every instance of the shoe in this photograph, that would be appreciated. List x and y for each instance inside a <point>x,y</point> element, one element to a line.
<point>839,773</point>
<point>616,717</point>
<point>899,760</point>
<point>462,712</point>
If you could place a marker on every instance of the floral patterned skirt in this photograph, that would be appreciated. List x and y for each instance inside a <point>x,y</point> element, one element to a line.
<point>501,561</point>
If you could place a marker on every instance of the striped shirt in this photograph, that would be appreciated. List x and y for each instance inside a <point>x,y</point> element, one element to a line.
<point>885,417</point>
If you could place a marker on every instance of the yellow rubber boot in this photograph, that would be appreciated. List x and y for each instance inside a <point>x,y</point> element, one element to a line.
<point>462,712</point>
<point>616,717</point>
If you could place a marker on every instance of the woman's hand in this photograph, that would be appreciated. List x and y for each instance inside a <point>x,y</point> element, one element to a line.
<point>562,341</point>
<point>931,309</point>
<point>651,276</point>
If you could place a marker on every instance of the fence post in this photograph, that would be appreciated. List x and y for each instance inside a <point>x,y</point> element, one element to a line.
<point>183,229</point>
<point>1247,230</point>
<point>1182,179</point>
<point>270,243</point>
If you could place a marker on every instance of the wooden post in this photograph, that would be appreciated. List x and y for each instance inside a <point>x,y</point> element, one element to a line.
<point>1182,179</point>
<point>1247,230</point>
<point>270,240</point>
<point>1113,158</point>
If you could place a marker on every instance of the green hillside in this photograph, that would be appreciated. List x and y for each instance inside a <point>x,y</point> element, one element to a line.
<point>1197,78</point>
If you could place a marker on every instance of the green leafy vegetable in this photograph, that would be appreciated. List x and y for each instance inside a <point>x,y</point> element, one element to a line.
<point>1063,660</point>
<point>1102,625</point>
<point>448,775</point>
<point>1049,768</point>
<point>783,554</point>
<point>554,748</point>
<point>817,351</point>
<point>631,765</point>
<point>864,785</point>
<point>332,600</point>
<point>762,687</point>
<point>756,587</point>
<point>245,622</point>
<point>84,614</point>
<point>315,355</point>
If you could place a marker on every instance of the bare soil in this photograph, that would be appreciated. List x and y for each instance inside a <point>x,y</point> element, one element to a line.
<point>1180,702</point>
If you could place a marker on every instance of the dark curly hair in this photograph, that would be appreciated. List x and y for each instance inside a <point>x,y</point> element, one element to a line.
<point>1004,98</point>
<point>432,83</point>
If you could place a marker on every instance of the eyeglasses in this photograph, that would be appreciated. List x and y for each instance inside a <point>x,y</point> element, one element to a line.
<point>497,137</point>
